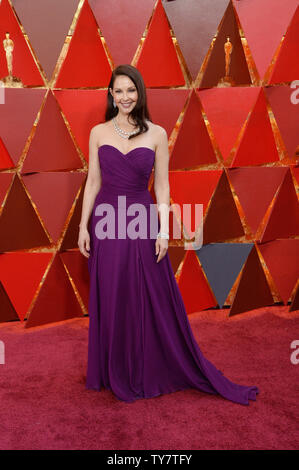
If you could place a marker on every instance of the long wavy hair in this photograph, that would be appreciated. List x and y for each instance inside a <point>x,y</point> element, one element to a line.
<point>140,111</point>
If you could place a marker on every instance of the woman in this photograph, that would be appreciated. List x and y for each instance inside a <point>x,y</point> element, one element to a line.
<point>140,342</point>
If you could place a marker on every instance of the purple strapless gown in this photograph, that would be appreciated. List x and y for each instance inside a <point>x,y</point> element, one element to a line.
<point>140,342</point>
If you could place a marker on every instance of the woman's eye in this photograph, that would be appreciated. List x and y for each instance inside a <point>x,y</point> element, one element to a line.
<point>131,91</point>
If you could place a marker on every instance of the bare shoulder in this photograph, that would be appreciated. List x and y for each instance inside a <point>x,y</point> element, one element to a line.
<point>155,128</point>
<point>97,131</point>
<point>159,134</point>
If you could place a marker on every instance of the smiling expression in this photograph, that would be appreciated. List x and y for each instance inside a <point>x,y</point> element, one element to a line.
<point>124,93</point>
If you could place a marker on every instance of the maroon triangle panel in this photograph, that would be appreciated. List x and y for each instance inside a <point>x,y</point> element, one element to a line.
<point>216,71</point>
<point>283,101</point>
<point>52,147</point>
<point>295,302</point>
<point>40,23</point>
<point>283,221</point>
<point>56,300</point>
<point>19,113</point>
<point>253,290</point>
<point>222,221</point>
<point>194,42</point>
<point>20,227</point>
<point>265,28</point>
<point>7,311</point>
<point>130,24</point>
<point>193,145</point>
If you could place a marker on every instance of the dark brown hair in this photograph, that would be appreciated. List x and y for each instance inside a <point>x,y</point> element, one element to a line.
<point>140,111</point>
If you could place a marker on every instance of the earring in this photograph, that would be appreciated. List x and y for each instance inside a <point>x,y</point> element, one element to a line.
<point>114,104</point>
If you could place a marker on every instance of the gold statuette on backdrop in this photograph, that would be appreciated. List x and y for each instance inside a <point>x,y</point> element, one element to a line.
<point>8,46</point>
<point>227,80</point>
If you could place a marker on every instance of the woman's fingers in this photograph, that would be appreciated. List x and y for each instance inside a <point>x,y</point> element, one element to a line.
<point>84,246</point>
<point>162,253</point>
<point>161,250</point>
<point>84,252</point>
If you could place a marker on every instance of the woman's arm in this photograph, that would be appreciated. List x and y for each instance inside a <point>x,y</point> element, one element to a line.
<point>161,187</point>
<point>92,187</point>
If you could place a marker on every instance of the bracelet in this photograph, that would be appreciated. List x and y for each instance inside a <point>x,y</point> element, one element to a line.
<point>163,235</point>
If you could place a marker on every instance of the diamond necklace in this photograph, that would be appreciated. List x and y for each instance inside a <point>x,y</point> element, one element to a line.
<point>121,132</point>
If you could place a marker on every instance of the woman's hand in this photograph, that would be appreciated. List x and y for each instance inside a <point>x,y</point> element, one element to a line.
<point>161,248</point>
<point>84,242</point>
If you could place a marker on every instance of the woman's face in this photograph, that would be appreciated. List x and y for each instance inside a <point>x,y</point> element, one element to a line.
<point>124,93</point>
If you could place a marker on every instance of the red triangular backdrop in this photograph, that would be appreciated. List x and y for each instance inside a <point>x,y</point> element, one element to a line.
<point>233,142</point>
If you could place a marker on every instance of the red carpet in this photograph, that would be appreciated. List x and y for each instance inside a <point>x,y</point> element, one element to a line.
<point>44,404</point>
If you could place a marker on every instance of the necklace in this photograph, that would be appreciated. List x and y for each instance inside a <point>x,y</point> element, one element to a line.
<point>121,132</point>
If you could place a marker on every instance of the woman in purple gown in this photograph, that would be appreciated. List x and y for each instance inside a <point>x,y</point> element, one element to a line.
<point>140,342</point>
